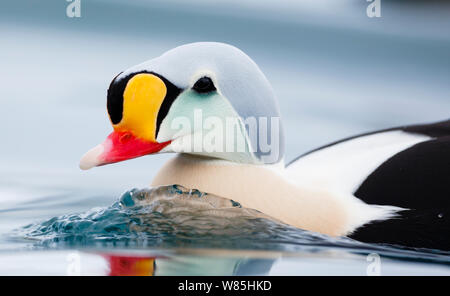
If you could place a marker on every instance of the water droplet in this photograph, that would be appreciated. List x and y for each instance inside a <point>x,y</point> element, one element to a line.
<point>126,199</point>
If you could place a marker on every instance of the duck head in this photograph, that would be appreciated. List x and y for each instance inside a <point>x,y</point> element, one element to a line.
<point>204,98</point>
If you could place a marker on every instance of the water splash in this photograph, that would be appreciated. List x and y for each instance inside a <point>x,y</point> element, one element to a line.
<point>174,217</point>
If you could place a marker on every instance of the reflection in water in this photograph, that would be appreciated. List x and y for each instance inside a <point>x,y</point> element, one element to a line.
<point>200,265</point>
<point>129,265</point>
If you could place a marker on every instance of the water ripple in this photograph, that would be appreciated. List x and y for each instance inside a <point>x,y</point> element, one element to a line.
<point>174,217</point>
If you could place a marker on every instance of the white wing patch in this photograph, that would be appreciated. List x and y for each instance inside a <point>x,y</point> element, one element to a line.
<point>343,167</point>
<point>346,165</point>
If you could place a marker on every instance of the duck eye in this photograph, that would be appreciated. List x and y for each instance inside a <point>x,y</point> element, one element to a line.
<point>204,85</point>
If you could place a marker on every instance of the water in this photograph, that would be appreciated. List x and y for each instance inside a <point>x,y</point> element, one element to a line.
<point>336,73</point>
<point>185,231</point>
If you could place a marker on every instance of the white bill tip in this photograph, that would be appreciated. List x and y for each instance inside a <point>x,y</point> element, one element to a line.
<point>91,158</point>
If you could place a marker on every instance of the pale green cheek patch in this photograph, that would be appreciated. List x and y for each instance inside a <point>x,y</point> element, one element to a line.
<point>206,124</point>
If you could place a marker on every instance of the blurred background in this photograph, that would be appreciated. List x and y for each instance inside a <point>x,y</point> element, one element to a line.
<point>336,73</point>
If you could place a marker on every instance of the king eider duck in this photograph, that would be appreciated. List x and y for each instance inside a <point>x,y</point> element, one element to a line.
<point>212,105</point>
